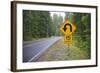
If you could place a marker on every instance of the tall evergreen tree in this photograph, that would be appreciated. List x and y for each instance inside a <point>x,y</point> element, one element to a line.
<point>36,24</point>
<point>57,20</point>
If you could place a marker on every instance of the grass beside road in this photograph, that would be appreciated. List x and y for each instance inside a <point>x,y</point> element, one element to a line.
<point>60,51</point>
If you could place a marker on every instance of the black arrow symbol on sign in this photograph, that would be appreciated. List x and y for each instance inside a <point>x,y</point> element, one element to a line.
<point>65,28</point>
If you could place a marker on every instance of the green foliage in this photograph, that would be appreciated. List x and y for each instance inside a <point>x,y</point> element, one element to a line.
<point>83,28</point>
<point>36,24</point>
<point>40,24</point>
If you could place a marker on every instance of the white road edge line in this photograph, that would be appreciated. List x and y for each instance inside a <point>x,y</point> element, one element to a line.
<point>40,52</point>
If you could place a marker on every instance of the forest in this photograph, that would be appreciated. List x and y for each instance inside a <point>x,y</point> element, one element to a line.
<point>40,24</point>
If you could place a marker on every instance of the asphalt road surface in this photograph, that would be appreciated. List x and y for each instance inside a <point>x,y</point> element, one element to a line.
<point>33,51</point>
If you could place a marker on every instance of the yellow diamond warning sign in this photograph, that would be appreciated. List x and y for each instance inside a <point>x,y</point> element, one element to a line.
<point>67,27</point>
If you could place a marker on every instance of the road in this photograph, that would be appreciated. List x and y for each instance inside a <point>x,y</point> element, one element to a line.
<point>33,51</point>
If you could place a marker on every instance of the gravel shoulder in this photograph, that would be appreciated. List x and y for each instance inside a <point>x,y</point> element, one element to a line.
<point>60,51</point>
